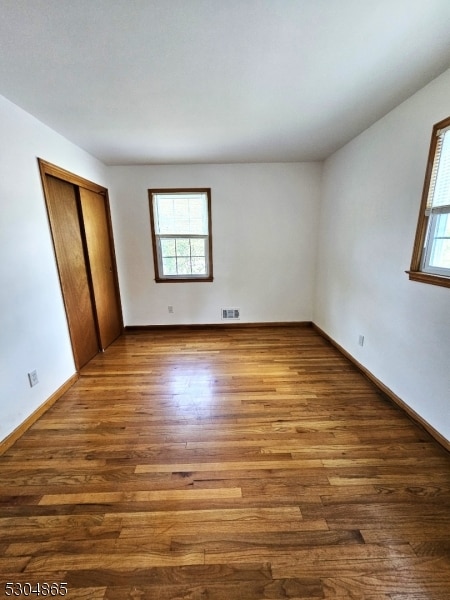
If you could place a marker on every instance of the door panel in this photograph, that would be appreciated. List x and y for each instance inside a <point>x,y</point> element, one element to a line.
<point>70,257</point>
<point>95,217</point>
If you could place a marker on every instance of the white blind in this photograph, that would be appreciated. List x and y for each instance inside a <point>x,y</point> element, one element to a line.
<point>439,190</point>
<point>181,213</point>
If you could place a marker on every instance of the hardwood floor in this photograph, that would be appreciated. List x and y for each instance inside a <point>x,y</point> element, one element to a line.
<point>226,464</point>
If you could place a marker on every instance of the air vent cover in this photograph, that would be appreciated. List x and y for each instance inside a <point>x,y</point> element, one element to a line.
<point>232,314</point>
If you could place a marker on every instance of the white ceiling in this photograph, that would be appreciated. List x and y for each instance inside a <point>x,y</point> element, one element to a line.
<point>182,81</point>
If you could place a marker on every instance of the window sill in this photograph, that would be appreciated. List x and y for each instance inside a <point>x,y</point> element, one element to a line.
<point>183,279</point>
<point>429,278</point>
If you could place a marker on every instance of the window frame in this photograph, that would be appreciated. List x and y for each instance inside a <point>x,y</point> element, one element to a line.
<point>420,270</point>
<point>159,276</point>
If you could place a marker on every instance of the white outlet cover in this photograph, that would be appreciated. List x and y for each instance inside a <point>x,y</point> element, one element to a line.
<point>33,378</point>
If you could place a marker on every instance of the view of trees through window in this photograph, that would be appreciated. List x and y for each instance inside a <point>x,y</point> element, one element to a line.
<point>181,233</point>
<point>431,256</point>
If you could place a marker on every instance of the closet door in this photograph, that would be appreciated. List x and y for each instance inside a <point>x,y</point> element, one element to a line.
<point>62,206</point>
<point>96,224</point>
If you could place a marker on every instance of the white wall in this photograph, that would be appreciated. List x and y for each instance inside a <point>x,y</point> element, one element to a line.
<point>370,201</point>
<point>264,223</point>
<point>33,329</point>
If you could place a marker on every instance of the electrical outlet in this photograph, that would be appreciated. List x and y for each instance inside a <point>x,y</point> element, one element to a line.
<point>33,378</point>
<point>361,340</point>
<point>170,309</point>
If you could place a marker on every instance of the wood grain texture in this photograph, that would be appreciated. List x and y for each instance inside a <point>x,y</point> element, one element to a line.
<point>35,415</point>
<point>100,250</point>
<point>62,205</point>
<point>388,392</point>
<point>226,464</point>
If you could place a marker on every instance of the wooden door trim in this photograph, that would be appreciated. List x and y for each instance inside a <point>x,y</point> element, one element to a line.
<point>47,168</point>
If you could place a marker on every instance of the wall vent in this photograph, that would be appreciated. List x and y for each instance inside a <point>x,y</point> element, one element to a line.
<point>232,314</point>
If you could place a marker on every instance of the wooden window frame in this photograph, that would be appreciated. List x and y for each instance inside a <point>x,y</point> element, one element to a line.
<point>160,277</point>
<point>416,272</point>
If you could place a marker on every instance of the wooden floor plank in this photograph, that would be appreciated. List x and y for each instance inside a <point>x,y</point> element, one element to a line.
<point>140,496</point>
<point>226,464</point>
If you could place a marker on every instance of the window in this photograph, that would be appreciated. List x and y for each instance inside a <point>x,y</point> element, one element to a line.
<point>431,256</point>
<point>181,234</point>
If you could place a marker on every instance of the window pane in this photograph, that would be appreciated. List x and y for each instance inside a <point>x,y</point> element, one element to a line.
<point>197,208</point>
<point>169,266</point>
<point>184,266</point>
<point>165,207</point>
<point>182,227</point>
<point>443,225</point>
<point>181,208</point>
<point>440,241</point>
<point>167,247</point>
<point>182,213</point>
<point>199,266</point>
<point>183,256</point>
<point>166,226</point>
<point>198,247</point>
<point>196,227</point>
<point>440,254</point>
<point>441,196</point>
<point>164,220</point>
<point>183,247</point>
